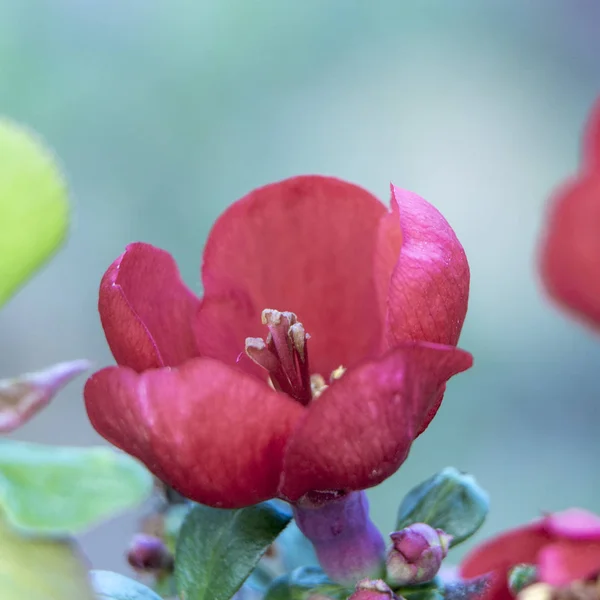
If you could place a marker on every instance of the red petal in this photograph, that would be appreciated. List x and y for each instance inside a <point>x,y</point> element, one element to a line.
<point>570,252</point>
<point>146,310</point>
<point>360,430</point>
<point>564,562</point>
<point>574,523</point>
<point>422,276</point>
<point>424,267</point>
<point>591,141</point>
<point>497,588</point>
<point>505,551</point>
<point>213,433</point>
<point>305,245</point>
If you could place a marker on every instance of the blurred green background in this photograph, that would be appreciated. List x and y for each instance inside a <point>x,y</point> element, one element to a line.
<point>163,113</point>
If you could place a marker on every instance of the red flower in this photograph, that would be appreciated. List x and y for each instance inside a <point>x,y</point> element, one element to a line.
<point>570,251</point>
<point>382,293</point>
<point>564,547</point>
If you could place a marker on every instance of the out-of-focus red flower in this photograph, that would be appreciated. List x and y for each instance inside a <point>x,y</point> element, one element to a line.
<point>564,547</point>
<point>570,249</point>
<point>383,293</point>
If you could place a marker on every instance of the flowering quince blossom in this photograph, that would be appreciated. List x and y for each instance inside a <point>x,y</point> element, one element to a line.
<point>564,547</point>
<point>228,401</point>
<point>570,250</point>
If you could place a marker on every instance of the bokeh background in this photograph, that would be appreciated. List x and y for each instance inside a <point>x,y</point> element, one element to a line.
<point>163,113</point>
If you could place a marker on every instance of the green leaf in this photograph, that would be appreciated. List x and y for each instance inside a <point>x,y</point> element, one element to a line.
<point>34,211</point>
<point>431,590</point>
<point>450,500</point>
<point>112,586</point>
<point>520,576</point>
<point>174,517</point>
<point>421,594</point>
<point>40,569</point>
<point>217,548</point>
<point>304,582</point>
<point>61,490</point>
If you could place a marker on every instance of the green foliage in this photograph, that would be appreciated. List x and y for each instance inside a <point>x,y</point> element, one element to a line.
<point>450,500</point>
<point>112,586</point>
<point>174,518</point>
<point>304,582</point>
<point>60,490</point>
<point>423,594</point>
<point>217,549</point>
<point>34,211</point>
<point>520,576</point>
<point>425,591</point>
<point>40,569</point>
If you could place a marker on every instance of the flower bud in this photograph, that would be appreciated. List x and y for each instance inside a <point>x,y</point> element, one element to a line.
<point>21,398</point>
<point>373,589</point>
<point>521,576</point>
<point>149,553</point>
<point>416,554</point>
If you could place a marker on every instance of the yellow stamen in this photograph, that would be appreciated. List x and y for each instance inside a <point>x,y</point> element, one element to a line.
<point>317,385</point>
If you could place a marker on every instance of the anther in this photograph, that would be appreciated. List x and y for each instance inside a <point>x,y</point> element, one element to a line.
<point>337,373</point>
<point>298,338</point>
<point>257,350</point>
<point>284,354</point>
<point>317,385</point>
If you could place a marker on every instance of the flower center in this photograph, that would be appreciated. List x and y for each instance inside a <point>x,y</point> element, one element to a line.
<point>284,355</point>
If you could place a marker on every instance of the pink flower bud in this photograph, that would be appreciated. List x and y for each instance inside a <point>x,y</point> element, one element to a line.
<point>373,589</point>
<point>149,553</point>
<point>24,396</point>
<point>416,554</point>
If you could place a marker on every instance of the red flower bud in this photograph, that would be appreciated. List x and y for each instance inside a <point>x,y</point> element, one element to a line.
<point>149,553</point>
<point>373,589</point>
<point>416,554</point>
<point>570,247</point>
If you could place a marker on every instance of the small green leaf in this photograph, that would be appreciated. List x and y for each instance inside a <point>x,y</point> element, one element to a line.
<point>34,211</point>
<point>303,583</point>
<point>421,594</point>
<point>40,569</point>
<point>112,586</point>
<point>280,589</point>
<point>217,549</point>
<point>450,500</point>
<point>60,490</point>
<point>520,576</point>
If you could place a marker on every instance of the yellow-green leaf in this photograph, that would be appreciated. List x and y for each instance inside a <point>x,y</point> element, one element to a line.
<point>61,490</point>
<point>40,569</point>
<point>34,209</point>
